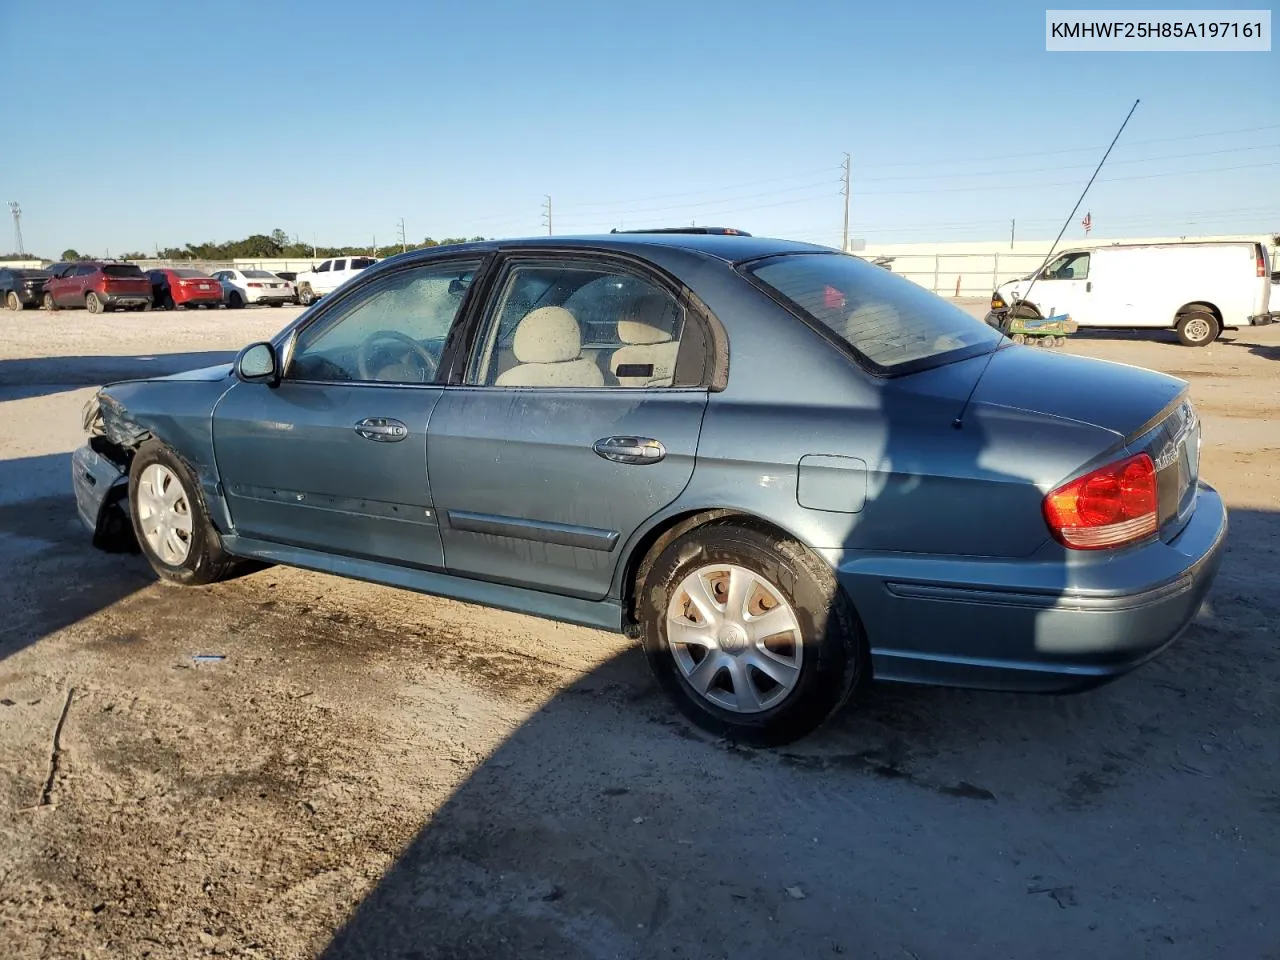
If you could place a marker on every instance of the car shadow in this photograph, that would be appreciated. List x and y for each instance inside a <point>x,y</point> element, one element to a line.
<point>921,822</point>
<point>24,378</point>
<point>56,577</point>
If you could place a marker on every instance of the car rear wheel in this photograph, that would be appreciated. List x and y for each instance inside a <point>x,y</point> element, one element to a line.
<point>93,303</point>
<point>749,633</point>
<point>49,303</point>
<point>170,520</point>
<point>1197,329</point>
<point>235,301</point>
<point>12,301</point>
<point>306,296</point>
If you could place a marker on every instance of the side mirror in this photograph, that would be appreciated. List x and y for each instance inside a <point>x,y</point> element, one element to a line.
<point>257,363</point>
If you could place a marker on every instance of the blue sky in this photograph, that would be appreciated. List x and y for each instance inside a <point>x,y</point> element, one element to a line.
<point>160,123</point>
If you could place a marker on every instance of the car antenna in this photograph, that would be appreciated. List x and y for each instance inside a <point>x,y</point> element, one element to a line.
<point>958,422</point>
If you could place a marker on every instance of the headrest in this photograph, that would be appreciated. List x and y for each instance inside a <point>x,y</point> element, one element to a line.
<point>636,331</point>
<point>547,335</point>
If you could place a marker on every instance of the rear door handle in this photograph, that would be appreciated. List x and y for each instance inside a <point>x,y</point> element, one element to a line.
<point>1088,287</point>
<point>639,450</point>
<point>382,429</point>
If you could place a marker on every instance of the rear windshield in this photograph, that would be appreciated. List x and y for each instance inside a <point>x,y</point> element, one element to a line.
<point>891,323</point>
<point>260,274</point>
<point>122,270</point>
<point>190,274</point>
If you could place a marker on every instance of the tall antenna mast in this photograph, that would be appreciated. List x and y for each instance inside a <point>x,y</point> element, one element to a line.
<point>844,180</point>
<point>546,213</point>
<point>16,209</point>
<point>958,422</point>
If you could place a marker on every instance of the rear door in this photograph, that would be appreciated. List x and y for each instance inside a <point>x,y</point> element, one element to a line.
<point>334,458</point>
<point>543,464</point>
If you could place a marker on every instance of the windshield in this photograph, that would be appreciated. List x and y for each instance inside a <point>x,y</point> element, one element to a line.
<point>891,323</point>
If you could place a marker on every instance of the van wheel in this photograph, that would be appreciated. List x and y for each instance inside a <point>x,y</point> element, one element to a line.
<point>1197,329</point>
<point>749,633</point>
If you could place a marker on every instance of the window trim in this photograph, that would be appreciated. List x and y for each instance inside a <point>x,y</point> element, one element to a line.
<point>715,364</point>
<point>286,342</point>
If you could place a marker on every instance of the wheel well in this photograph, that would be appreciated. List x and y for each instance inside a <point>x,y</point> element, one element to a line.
<point>1198,307</point>
<point>650,547</point>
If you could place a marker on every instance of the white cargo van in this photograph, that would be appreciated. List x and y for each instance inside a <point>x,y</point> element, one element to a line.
<point>1198,289</point>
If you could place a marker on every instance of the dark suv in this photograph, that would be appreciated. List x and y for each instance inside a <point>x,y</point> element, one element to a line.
<point>98,286</point>
<point>22,288</point>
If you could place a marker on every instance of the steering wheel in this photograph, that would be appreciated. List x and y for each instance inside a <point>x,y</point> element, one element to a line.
<point>364,355</point>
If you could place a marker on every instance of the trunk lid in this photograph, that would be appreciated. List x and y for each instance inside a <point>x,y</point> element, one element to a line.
<point>1148,412</point>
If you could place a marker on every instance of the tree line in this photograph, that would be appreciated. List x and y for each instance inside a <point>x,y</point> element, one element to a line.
<point>259,246</point>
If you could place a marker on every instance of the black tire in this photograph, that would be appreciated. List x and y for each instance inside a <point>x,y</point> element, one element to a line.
<point>166,302</point>
<point>206,561</point>
<point>49,303</point>
<point>235,301</point>
<point>12,302</point>
<point>93,303</point>
<point>306,296</point>
<point>1198,328</point>
<point>833,646</point>
<point>276,303</point>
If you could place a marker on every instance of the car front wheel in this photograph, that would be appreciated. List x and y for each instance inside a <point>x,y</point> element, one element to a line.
<point>170,520</point>
<point>749,633</point>
<point>12,301</point>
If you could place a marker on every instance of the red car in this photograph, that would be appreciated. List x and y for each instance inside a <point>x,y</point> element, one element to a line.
<point>98,286</point>
<point>172,288</point>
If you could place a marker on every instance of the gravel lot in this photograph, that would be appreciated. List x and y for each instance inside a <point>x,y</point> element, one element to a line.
<point>372,773</point>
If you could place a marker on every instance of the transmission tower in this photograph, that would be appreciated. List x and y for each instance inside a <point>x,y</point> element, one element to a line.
<point>17,225</point>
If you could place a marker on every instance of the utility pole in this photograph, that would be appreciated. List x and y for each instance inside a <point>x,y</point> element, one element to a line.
<point>404,244</point>
<point>17,225</point>
<point>1012,224</point>
<point>375,247</point>
<point>546,213</point>
<point>844,180</point>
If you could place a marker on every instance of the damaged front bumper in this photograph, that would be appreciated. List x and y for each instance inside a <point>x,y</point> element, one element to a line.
<point>101,486</point>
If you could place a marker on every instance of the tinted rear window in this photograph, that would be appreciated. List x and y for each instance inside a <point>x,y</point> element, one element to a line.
<point>122,270</point>
<point>891,323</point>
<point>359,263</point>
<point>261,274</point>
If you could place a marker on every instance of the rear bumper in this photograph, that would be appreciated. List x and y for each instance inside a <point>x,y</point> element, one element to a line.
<point>270,296</point>
<point>125,299</point>
<point>1262,319</point>
<point>1035,626</point>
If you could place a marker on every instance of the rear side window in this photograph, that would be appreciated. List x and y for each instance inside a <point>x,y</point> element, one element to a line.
<point>85,271</point>
<point>122,270</point>
<point>339,264</point>
<point>360,263</point>
<point>890,323</point>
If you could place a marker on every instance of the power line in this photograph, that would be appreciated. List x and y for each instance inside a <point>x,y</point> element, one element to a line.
<point>689,193</point>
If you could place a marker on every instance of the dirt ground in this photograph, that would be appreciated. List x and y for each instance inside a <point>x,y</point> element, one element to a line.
<point>373,773</point>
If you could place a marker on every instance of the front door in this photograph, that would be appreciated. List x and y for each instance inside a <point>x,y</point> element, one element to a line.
<point>577,421</point>
<point>335,457</point>
<point>1065,288</point>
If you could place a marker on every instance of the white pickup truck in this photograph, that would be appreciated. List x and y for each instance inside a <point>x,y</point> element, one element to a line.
<point>328,277</point>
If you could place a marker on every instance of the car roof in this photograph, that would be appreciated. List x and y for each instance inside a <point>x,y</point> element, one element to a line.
<point>729,248</point>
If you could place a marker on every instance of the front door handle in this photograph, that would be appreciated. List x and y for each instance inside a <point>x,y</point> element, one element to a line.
<point>639,450</point>
<point>1088,287</point>
<point>382,429</point>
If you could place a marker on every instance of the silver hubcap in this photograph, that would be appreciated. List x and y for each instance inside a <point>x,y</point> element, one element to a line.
<point>1197,329</point>
<point>734,638</point>
<point>164,514</point>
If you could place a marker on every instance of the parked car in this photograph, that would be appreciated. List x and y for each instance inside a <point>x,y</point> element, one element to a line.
<point>329,276</point>
<point>241,287</point>
<point>174,287</point>
<point>22,287</point>
<point>292,277</point>
<point>784,469</point>
<point>98,286</point>
<point>1198,289</point>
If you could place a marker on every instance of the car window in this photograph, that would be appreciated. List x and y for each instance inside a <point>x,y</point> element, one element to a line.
<point>889,322</point>
<point>122,270</point>
<point>578,325</point>
<point>1069,266</point>
<point>392,331</point>
<point>85,270</point>
<point>339,265</point>
<point>324,267</point>
<point>361,263</point>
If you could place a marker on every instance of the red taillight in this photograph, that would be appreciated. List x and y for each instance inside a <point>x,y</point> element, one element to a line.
<point>254,284</point>
<point>1110,507</point>
<point>1260,260</point>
